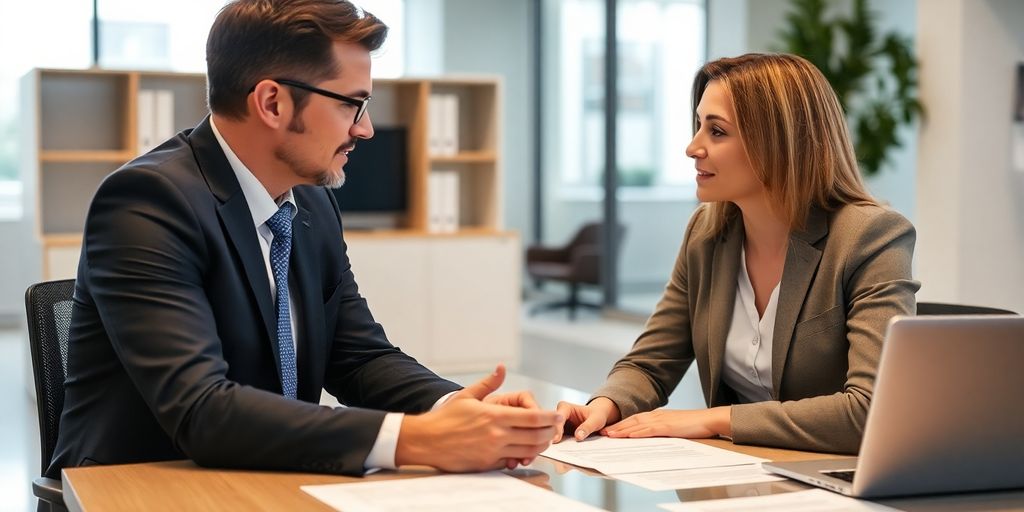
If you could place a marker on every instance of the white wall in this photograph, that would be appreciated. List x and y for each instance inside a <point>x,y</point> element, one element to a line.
<point>727,28</point>
<point>20,250</point>
<point>971,201</point>
<point>19,267</point>
<point>424,27</point>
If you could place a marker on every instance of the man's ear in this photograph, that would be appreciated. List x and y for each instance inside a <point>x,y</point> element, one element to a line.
<point>271,104</point>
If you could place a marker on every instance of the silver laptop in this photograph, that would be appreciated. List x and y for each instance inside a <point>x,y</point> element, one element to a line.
<point>947,413</point>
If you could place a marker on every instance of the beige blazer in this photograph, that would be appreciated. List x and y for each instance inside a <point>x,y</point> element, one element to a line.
<point>845,276</point>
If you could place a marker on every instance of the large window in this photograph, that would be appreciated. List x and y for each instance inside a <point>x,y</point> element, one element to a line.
<point>661,45</point>
<point>134,34</point>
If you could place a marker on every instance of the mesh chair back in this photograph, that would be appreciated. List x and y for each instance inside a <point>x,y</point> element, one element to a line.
<point>48,305</point>
<point>938,308</point>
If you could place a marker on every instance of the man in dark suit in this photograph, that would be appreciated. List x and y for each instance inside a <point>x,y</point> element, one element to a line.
<point>215,300</point>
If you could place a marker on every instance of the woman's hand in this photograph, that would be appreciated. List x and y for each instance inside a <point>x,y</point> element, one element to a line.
<point>694,424</point>
<point>586,419</point>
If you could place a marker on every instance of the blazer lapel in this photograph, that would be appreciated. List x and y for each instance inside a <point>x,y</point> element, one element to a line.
<point>311,336</point>
<point>802,260</point>
<point>237,219</point>
<point>724,268</point>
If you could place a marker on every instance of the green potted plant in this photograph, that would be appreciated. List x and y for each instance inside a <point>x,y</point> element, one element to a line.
<point>636,177</point>
<point>874,75</point>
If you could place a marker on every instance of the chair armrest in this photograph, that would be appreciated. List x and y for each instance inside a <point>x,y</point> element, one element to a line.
<point>537,253</point>
<point>49,490</point>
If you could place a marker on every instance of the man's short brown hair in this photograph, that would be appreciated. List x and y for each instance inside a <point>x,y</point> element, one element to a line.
<point>252,40</point>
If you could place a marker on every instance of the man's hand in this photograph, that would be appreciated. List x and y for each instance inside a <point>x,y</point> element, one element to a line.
<point>483,389</point>
<point>477,431</point>
<point>583,420</point>
<point>469,435</point>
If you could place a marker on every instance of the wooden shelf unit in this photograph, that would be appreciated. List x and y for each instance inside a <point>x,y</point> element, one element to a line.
<point>425,287</point>
<point>404,102</point>
<point>84,125</point>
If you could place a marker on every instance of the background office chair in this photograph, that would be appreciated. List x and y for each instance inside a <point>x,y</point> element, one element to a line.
<point>48,306</point>
<point>939,308</point>
<point>576,263</point>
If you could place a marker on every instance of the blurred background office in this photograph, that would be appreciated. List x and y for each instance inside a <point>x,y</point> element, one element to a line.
<point>568,157</point>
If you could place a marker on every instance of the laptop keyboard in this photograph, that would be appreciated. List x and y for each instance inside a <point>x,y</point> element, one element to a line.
<point>842,475</point>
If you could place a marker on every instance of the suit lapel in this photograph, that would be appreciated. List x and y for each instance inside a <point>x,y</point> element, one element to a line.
<point>237,220</point>
<point>238,224</point>
<point>802,260</point>
<point>306,276</point>
<point>724,268</point>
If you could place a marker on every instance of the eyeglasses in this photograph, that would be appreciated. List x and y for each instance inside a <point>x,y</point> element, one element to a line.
<point>360,104</point>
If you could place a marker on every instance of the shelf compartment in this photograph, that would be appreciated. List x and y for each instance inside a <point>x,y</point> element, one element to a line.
<point>65,193</point>
<point>83,111</point>
<point>189,91</point>
<point>478,113</point>
<point>479,197</point>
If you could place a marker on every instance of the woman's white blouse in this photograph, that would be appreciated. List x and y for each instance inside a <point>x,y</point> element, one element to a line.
<point>748,347</point>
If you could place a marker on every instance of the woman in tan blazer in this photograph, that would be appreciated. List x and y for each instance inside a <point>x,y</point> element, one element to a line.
<point>787,276</point>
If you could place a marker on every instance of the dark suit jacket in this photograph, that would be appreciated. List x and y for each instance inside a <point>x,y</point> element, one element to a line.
<point>173,341</point>
<point>846,275</point>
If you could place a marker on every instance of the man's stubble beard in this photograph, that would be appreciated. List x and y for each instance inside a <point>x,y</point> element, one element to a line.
<point>318,175</point>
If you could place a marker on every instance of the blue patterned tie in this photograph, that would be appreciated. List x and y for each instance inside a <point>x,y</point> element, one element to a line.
<point>280,250</point>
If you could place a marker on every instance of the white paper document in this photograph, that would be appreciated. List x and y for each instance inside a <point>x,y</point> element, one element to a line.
<point>615,456</point>
<point>700,477</point>
<point>489,492</point>
<point>816,500</point>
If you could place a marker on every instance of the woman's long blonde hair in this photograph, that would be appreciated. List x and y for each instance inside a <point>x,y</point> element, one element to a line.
<point>794,133</point>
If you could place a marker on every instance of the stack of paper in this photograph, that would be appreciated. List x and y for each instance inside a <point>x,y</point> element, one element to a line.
<point>661,463</point>
<point>491,492</point>
<point>700,477</point>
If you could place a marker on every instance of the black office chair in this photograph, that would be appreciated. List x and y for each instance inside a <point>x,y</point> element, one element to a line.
<point>48,306</point>
<point>940,308</point>
<point>576,263</point>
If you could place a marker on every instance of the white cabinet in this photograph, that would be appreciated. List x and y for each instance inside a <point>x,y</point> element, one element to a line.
<point>452,302</point>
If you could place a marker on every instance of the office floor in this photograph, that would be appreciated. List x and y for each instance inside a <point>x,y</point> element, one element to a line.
<point>574,354</point>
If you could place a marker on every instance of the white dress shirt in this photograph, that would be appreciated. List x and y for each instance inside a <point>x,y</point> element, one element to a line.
<point>262,207</point>
<point>747,368</point>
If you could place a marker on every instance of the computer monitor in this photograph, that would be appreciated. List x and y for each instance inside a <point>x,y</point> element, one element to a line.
<point>376,181</point>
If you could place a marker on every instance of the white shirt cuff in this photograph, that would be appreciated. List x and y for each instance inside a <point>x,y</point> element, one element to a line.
<point>382,455</point>
<point>442,400</point>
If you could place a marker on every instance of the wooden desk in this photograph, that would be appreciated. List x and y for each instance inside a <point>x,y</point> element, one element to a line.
<point>181,485</point>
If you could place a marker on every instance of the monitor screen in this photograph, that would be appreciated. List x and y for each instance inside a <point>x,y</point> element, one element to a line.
<point>376,174</point>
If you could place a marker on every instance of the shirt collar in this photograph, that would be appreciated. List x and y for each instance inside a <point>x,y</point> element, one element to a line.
<point>261,205</point>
